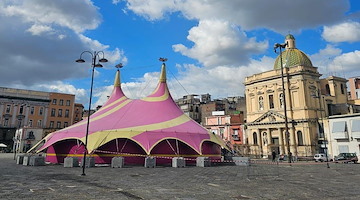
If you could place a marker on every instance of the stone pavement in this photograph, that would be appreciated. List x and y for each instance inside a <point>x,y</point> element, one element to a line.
<point>306,180</point>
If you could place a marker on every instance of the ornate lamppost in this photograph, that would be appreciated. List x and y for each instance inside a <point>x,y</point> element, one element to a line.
<point>94,59</point>
<point>287,137</point>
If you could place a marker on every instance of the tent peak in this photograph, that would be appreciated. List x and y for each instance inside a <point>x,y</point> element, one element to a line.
<point>163,74</point>
<point>117,79</point>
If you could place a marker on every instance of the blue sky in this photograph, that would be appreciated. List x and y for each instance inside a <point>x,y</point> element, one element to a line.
<point>211,45</point>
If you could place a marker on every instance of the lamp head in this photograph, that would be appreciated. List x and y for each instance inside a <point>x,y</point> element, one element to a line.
<point>103,60</point>
<point>80,60</point>
<point>98,65</point>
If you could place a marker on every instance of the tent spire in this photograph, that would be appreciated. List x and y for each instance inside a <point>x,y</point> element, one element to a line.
<point>117,82</point>
<point>163,70</point>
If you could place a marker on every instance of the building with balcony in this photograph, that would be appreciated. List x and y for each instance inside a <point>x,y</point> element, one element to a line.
<point>26,137</point>
<point>20,108</point>
<point>229,128</point>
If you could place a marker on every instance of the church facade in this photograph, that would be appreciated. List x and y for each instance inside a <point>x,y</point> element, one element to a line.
<point>307,99</point>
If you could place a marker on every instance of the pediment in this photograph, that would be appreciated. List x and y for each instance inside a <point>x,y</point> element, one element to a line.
<point>270,116</point>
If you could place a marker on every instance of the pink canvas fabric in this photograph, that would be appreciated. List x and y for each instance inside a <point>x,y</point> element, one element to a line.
<point>146,121</point>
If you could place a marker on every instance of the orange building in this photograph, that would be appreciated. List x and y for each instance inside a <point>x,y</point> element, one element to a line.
<point>61,110</point>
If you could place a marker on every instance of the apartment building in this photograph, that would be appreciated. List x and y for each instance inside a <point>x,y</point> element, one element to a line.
<point>46,111</point>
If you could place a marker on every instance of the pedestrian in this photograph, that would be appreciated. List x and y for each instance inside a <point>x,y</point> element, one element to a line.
<point>273,155</point>
<point>290,157</point>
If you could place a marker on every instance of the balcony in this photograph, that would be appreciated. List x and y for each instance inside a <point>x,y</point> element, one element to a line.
<point>30,138</point>
<point>236,137</point>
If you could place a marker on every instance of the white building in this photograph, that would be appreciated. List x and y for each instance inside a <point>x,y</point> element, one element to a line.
<point>344,134</point>
<point>25,138</point>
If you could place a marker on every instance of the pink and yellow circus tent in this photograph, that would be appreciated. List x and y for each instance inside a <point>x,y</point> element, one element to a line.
<point>134,128</point>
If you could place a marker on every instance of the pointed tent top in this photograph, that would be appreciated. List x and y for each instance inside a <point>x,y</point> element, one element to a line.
<point>117,79</point>
<point>117,92</point>
<point>163,70</point>
<point>163,74</point>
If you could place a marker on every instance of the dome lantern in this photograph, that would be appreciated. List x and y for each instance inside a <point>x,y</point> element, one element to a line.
<point>292,56</point>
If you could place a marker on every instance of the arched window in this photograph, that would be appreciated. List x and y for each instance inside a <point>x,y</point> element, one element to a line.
<point>264,138</point>
<point>255,138</point>
<point>271,101</point>
<point>327,88</point>
<point>261,103</point>
<point>281,99</point>
<point>300,138</point>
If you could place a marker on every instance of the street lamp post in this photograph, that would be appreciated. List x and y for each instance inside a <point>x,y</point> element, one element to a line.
<point>282,46</point>
<point>94,56</point>
<point>322,121</point>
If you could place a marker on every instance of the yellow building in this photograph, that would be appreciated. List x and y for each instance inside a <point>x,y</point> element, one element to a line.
<point>307,99</point>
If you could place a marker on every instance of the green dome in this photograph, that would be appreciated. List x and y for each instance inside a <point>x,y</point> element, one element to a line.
<point>289,36</point>
<point>292,57</point>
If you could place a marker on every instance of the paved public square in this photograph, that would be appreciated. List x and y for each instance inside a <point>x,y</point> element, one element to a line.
<point>302,180</point>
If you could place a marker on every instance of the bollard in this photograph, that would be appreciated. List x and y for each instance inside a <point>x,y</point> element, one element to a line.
<point>178,162</point>
<point>203,162</point>
<point>89,162</point>
<point>117,162</point>
<point>19,159</point>
<point>26,160</point>
<point>37,161</point>
<point>71,162</point>
<point>150,162</point>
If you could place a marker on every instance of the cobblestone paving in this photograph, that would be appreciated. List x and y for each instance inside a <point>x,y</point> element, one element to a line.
<point>305,180</point>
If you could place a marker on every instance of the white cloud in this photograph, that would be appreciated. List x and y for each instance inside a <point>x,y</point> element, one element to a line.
<point>81,95</point>
<point>40,40</point>
<point>277,15</point>
<point>65,13</point>
<point>220,43</point>
<point>39,29</point>
<point>150,9</point>
<point>324,57</point>
<point>344,32</point>
<point>348,63</point>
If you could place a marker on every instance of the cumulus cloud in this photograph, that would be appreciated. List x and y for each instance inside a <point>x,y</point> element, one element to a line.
<point>277,15</point>
<point>41,39</point>
<point>325,56</point>
<point>343,32</point>
<point>217,43</point>
<point>81,95</point>
<point>63,13</point>
<point>347,63</point>
<point>331,61</point>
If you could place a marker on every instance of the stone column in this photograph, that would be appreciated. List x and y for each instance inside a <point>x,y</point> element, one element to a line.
<point>281,142</point>
<point>293,142</point>
<point>269,136</point>
<point>269,142</point>
<point>260,142</point>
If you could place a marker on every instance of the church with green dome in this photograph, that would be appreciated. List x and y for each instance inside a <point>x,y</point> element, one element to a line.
<point>306,97</point>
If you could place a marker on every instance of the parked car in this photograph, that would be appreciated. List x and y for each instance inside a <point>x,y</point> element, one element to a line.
<point>320,157</point>
<point>346,157</point>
